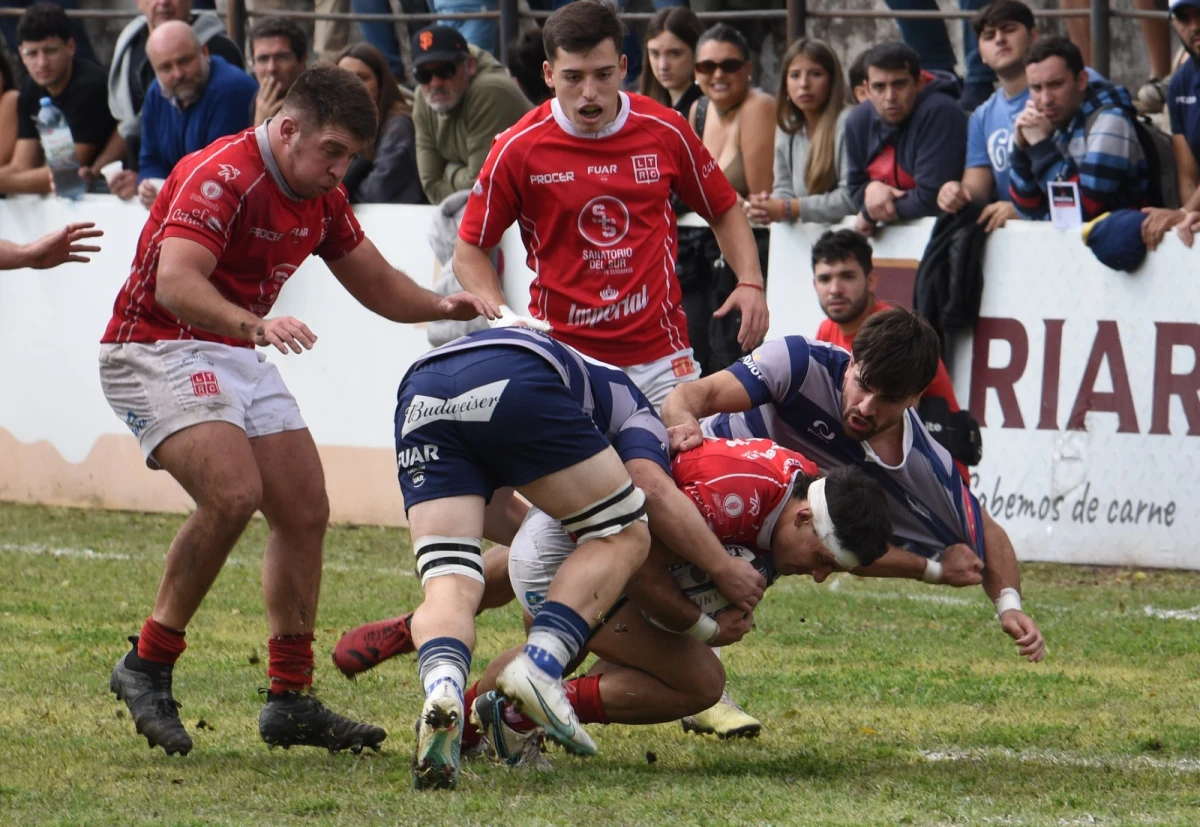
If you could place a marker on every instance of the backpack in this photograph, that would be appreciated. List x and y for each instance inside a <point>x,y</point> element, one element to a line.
<point>1160,158</point>
<point>1160,161</point>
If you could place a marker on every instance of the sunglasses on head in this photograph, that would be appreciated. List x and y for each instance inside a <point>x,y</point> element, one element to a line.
<point>426,73</point>
<point>733,64</point>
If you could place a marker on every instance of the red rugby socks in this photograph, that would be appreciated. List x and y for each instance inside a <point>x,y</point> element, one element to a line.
<point>290,663</point>
<point>158,644</point>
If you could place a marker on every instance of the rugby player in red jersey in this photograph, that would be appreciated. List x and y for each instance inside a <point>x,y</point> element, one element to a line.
<point>589,177</point>
<point>767,502</point>
<point>178,365</point>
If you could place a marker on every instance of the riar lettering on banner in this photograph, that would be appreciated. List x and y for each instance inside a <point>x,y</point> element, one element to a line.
<point>1106,349</point>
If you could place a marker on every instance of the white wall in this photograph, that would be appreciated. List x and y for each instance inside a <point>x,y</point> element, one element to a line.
<point>50,325</point>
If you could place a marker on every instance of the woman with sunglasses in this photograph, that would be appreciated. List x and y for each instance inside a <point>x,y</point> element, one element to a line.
<point>669,59</point>
<point>386,171</point>
<point>736,123</point>
<point>810,153</point>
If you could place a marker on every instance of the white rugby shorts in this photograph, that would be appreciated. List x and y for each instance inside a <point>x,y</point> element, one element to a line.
<point>657,378</point>
<point>159,388</point>
<point>535,556</point>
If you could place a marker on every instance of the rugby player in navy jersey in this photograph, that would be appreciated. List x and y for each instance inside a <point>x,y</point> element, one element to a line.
<point>512,408</point>
<point>843,409</point>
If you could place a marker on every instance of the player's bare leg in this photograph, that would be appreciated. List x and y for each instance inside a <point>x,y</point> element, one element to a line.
<point>214,463</point>
<point>596,501</point>
<point>297,511</point>
<point>365,647</point>
<point>444,536</point>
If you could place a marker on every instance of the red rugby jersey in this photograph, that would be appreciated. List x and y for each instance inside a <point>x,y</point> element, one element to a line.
<point>231,198</point>
<point>596,217</point>
<point>740,486</point>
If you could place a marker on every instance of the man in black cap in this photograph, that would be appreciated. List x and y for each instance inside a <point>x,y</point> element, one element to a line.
<point>465,99</point>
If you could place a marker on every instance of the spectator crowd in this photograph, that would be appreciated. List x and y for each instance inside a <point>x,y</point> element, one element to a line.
<point>1030,133</point>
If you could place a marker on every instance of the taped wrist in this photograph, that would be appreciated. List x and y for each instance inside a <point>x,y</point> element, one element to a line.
<point>704,629</point>
<point>933,572</point>
<point>1008,599</point>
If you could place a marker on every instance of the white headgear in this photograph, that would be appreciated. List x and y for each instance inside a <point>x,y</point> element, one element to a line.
<point>823,524</point>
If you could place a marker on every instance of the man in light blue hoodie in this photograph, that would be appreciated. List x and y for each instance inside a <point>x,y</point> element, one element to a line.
<point>1006,30</point>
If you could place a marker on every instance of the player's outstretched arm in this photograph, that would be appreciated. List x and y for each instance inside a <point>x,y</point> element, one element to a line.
<point>691,401</point>
<point>52,249</point>
<point>474,271</point>
<point>1002,582</point>
<point>958,567</point>
<point>736,241</point>
<point>183,287</point>
<point>676,521</point>
<point>382,289</point>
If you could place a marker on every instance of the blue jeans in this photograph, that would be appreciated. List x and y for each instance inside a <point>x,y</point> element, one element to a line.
<point>481,33</point>
<point>930,40</point>
<point>381,34</point>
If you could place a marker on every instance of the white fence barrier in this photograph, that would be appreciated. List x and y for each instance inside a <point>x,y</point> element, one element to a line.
<point>1086,380</point>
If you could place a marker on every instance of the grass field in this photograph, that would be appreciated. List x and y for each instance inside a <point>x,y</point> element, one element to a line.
<point>885,703</point>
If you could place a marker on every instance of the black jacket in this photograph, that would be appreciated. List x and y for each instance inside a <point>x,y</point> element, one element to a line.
<point>949,283</point>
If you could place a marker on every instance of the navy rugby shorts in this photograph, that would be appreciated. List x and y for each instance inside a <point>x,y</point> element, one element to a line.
<point>477,420</point>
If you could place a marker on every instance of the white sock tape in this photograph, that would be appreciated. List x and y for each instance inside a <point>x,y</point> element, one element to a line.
<point>1009,599</point>
<point>823,524</point>
<point>933,572</point>
<point>704,629</point>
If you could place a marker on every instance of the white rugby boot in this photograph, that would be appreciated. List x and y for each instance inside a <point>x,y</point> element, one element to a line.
<point>543,699</point>
<point>437,761</point>
<point>726,719</point>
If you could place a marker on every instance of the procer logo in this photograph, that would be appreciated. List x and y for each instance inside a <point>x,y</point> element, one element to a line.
<point>476,405</point>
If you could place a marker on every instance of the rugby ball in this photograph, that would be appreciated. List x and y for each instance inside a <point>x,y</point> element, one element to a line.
<point>701,589</point>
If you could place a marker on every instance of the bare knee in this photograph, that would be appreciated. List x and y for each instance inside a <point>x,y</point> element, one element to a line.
<point>637,536</point>
<point>311,513</point>
<point>234,503</point>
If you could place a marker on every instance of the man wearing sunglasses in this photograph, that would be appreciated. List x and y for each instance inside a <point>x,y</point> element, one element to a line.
<point>464,100</point>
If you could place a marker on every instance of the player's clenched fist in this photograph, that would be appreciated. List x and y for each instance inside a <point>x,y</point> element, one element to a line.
<point>285,332</point>
<point>732,626</point>
<point>961,566</point>
<point>741,583</point>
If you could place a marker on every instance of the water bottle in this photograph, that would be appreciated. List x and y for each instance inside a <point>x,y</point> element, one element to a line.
<point>59,147</point>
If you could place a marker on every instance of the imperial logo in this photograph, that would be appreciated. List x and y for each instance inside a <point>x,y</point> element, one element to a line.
<point>609,293</point>
<point>476,405</point>
<point>592,316</point>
